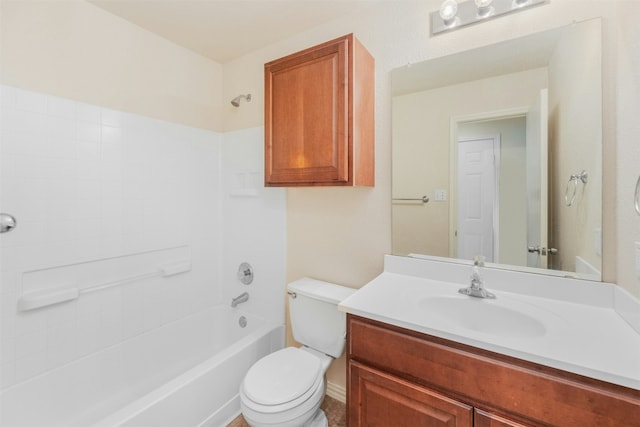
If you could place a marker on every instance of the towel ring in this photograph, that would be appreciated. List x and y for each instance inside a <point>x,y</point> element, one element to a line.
<point>637,196</point>
<point>582,177</point>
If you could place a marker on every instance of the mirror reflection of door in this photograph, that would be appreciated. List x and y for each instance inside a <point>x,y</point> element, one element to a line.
<point>478,164</point>
<point>509,206</point>
<point>515,216</point>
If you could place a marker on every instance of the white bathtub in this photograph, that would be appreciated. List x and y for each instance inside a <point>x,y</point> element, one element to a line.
<point>186,373</point>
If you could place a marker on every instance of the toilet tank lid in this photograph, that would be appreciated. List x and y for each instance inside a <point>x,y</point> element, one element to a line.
<point>323,291</point>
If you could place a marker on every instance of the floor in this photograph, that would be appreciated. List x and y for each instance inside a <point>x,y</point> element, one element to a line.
<point>334,410</point>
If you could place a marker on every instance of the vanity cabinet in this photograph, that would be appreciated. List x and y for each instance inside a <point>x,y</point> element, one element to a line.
<point>319,116</point>
<point>399,377</point>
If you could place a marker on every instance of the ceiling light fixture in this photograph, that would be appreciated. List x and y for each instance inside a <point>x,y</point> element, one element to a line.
<point>453,15</point>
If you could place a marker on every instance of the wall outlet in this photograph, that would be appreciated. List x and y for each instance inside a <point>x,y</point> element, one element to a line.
<point>440,195</point>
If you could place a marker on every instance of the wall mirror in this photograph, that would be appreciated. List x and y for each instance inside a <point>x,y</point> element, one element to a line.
<point>505,141</point>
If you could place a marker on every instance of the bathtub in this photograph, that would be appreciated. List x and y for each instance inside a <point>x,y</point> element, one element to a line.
<point>185,373</point>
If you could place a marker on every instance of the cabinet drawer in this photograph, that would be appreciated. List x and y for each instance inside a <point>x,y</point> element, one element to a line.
<point>532,393</point>
<point>381,399</point>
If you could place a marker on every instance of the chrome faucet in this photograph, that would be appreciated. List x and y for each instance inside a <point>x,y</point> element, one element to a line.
<point>244,297</point>
<point>476,289</point>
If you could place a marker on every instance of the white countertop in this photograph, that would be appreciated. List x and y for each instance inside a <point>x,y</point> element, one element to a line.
<point>587,339</point>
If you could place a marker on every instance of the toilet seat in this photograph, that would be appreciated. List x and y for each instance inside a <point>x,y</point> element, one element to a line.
<point>282,380</point>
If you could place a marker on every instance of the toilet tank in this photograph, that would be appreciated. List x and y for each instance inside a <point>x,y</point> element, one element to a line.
<point>315,319</point>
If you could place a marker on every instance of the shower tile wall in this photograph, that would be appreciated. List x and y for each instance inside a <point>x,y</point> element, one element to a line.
<point>88,183</point>
<point>254,225</point>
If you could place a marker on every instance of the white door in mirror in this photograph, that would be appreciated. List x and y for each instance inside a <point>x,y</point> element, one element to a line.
<point>478,163</point>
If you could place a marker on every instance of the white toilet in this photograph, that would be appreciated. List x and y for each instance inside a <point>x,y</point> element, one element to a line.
<point>286,388</point>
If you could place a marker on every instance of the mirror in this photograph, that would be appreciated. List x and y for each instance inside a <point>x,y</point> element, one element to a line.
<point>505,141</point>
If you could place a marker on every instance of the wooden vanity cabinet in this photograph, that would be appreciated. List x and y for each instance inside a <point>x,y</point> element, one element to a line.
<point>399,377</point>
<point>319,116</point>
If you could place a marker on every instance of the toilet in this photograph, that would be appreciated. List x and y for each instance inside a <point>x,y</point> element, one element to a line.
<point>286,388</point>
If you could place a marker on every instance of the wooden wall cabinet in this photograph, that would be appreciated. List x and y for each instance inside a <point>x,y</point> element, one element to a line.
<point>398,377</point>
<point>319,116</point>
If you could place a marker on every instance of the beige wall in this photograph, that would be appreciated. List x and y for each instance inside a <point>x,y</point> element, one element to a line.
<point>75,50</point>
<point>627,34</point>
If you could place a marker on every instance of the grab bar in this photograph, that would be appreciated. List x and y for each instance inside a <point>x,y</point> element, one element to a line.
<point>69,292</point>
<point>423,199</point>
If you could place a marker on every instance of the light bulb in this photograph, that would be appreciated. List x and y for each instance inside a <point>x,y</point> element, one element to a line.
<point>484,7</point>
<point>448,11</point>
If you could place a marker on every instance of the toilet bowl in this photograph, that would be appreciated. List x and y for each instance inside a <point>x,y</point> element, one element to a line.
<point>287,387</point>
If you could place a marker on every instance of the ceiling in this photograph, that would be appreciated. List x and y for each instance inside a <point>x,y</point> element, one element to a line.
<point>223,30</point>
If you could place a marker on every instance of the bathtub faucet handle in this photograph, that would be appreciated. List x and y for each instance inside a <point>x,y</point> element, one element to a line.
<point>245,273</point>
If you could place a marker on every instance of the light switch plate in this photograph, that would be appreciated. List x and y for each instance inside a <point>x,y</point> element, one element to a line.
<point>440,195</point>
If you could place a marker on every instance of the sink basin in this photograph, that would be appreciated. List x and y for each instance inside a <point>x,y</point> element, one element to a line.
<point>482,315</point>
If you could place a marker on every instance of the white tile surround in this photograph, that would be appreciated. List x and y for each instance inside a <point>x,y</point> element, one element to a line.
<point>254,231</point>
<point>87,184</point>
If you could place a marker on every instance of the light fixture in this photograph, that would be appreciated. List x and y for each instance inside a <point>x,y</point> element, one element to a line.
<point>448,12</point>
<point>453,15</point>
<point>484,8</point>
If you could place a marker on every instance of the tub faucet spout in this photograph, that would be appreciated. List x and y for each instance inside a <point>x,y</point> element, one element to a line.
<point>244,297</point>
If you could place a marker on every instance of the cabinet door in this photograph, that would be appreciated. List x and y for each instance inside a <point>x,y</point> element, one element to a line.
<point>306,116</point>
<point>379,399</point>
<point>486,419</point>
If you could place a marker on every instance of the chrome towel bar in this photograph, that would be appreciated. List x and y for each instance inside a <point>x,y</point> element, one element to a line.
<point>423,199</point>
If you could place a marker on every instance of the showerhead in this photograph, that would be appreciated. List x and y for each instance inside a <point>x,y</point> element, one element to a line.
<point>236,101</point>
